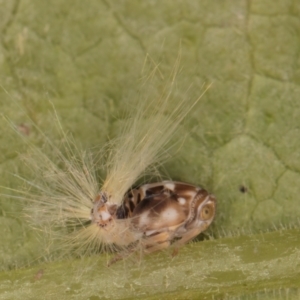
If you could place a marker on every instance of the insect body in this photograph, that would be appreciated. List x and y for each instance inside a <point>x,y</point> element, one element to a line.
<point>155,215</point>
<point>64,199</point>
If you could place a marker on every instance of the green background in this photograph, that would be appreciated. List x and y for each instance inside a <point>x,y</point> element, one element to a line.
<point>86,57</point>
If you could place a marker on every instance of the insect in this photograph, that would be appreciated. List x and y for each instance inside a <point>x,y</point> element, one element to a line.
<point>158,214</point>
<point>68,202</point>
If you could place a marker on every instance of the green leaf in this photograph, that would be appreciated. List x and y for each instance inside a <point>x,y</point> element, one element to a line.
<point>242,140</point>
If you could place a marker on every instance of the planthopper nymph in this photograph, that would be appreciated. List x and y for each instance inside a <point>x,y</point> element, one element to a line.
<point>86,215</point>
<point>154,214</point>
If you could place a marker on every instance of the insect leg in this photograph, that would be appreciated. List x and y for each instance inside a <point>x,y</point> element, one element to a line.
<point>122,255</point>
<point>189,235</point>
<point>156,242</point>
<point>149,245</point>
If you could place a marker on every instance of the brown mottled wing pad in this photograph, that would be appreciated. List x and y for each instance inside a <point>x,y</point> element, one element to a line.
<point>167,212</point>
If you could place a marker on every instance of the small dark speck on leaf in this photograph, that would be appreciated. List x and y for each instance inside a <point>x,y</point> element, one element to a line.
<point>243,189</point>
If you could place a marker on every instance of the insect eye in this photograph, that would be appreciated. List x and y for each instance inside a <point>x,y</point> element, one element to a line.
<point>207,212</point>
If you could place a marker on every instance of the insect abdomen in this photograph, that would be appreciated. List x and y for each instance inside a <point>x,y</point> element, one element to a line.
<point>179,210</point>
